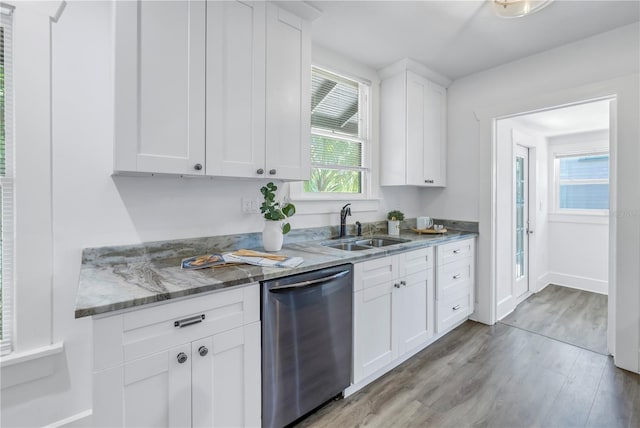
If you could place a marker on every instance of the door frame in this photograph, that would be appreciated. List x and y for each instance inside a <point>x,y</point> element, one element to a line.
<point>486,309</point>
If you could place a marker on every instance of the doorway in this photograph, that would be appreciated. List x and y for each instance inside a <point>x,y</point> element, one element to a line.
<point>552,210</point>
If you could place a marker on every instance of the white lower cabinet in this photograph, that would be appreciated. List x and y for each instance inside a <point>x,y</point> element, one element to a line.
<point>194,362</point>
<point>455,275</point>
<point>394,311</point>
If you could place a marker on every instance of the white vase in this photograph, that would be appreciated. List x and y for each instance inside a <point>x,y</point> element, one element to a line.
<point>272,235</point>
<point>393,227</point>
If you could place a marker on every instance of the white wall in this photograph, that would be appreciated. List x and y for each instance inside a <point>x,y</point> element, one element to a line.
<point>578,244</point>
<point>92,208</point>
<point>599,66</point>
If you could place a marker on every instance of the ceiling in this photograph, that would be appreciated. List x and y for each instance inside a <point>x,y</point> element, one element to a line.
<point>457,37</point>
<point>572,119</point>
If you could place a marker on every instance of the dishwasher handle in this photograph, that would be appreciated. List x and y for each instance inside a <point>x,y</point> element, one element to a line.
<point>302,284</point>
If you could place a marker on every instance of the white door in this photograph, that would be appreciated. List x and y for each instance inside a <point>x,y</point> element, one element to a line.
<point>375,344</point>
<point>520,221</point>
<point>159,86</point>
<point>157,389</point>
<point>416,309</point>
<point>288,96</point>
<point>235,88</point>
<point>226,378</point>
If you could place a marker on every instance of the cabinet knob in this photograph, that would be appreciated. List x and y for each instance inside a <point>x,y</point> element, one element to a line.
<point>197,166</point>
<point>396,285</point>
<point>272,171</point>
<point>403,282</point>
<point>203,351</point>
<point>182,357</point>
<point>260,171</point>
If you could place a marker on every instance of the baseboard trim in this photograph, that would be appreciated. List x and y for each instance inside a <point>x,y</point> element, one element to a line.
<point>578,282</point>
<point>82,419</point>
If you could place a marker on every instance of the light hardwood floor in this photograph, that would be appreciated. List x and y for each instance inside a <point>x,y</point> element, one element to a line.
<point>497,376</point>
<point>566,314</point>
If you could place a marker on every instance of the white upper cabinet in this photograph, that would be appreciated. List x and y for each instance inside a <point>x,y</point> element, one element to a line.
<point>288,99</point>
<point>247,64</point>
<point>413,131</point>
<point>159,87</point>
<point>235,88</point>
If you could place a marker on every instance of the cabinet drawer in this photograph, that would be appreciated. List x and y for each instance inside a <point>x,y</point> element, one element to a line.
<point>375,272</point>
<point>453,310</point>
<point>416,261</point>
<point>143,332</point>
<point>454,251</point>
<point>452,277</point>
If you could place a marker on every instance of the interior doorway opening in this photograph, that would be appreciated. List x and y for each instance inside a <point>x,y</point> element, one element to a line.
<point>552,216</point>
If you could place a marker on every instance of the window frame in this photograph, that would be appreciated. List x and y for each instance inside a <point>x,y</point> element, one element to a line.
<point>7,186</point>
<point>296,189</point>
<point>559,153</point>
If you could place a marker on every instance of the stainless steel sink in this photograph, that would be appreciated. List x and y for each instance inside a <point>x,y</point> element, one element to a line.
<point>365,244</point>
<point>347,246</point>
<point>381,242</point>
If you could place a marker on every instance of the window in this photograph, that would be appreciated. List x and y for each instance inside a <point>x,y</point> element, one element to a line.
<point>339,135</point>
<point>6,181</point>
<point>582,182</point>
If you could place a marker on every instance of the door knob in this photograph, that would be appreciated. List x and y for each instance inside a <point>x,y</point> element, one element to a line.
<point>182,357</point>
<point>203,351</point>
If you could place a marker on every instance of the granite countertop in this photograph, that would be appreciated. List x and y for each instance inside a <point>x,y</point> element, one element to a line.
<point>114,278</point>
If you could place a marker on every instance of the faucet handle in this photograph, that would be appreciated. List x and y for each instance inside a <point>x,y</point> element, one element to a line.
<point>358,228</point>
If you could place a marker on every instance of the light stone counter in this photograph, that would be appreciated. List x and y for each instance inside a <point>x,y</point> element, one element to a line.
<point>120,277</point>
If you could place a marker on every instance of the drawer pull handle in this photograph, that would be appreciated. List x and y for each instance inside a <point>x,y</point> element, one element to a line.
<point>456,307</point>
<point>189,321</point>
<point>457,276</point>
<point>456,251</point>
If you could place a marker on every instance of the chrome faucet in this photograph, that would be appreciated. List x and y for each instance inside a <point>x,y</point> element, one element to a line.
<point>344,212</point>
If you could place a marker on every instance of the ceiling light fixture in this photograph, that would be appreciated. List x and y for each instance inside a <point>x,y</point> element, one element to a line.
<point>518,8</point>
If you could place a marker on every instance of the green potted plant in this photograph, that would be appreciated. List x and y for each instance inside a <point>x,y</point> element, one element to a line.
<point>274,213</point>
<point>393,222</point>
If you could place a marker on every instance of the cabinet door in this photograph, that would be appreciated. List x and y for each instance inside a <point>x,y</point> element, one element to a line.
<point>157,390</point>
<point>159,86</point>
<point>235,88</point>
<point>288,96</point>
<point>375,345</point>
<point>435,137</point>
<point>426,127</point>
<point>416,310</point>
<point>226,378</point>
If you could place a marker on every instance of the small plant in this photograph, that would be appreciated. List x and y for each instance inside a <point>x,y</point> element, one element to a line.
<point>272,209</point>
<point>395,215</point>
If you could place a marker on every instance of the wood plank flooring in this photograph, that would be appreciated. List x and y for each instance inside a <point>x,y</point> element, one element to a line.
<point>493,376</point>
<point>566,314</point>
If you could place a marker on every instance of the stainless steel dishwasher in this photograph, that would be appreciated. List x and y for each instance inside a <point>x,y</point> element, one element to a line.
<point>306,342</point>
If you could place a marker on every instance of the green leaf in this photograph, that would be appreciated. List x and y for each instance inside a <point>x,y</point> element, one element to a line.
<point>289,209</point>
<point>286,228</point>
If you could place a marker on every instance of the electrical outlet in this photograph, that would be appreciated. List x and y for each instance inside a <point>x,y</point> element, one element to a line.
<point>250,205</point>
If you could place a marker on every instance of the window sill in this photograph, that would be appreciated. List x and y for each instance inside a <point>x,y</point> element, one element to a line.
<point>585,218</point>
<point>23,367</point>
<point>331,206</point>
